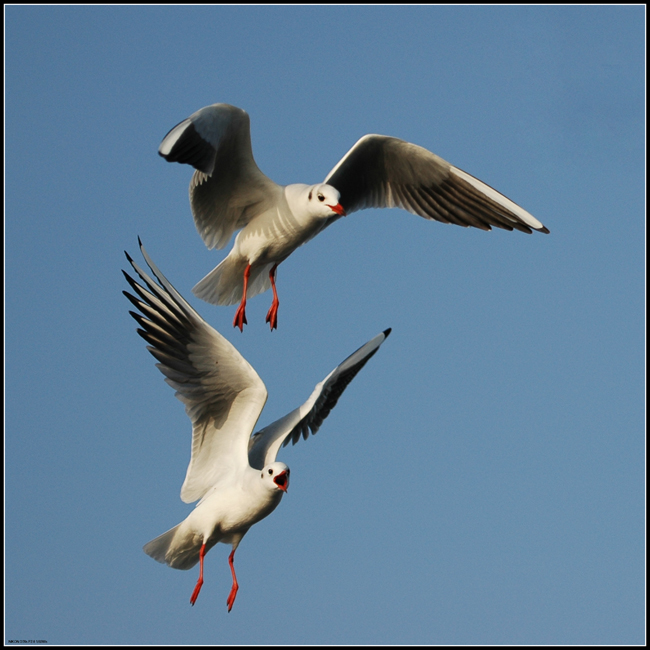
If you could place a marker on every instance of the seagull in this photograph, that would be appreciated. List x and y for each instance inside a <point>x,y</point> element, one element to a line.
<point>228,192</point>
<point>235,476</point>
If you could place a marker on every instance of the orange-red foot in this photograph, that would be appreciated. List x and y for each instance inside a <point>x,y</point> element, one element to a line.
<point>233,594</point>
<point>240,318</point>
<point>197,589</point>
<point>272,316</point>
<point>240,315</point>
<point>199,583</point>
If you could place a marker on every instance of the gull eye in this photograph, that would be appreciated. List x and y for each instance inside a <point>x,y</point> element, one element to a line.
<point>321,197</point>
<point>270,471</point>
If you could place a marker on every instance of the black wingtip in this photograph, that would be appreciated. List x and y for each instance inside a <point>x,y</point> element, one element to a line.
<point>544,229</point>
<point>139,242</point>
<point>128,257</point>
<point>388,331</point>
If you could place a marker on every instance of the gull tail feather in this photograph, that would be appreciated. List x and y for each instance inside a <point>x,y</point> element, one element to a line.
<point>224,284</point>
<point>178,548</point>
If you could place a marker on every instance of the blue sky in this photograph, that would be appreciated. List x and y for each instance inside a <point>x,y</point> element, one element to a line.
<point>482,479</point>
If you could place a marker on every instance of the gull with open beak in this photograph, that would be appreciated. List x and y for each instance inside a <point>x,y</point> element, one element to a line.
<point>235,475</point>
<point>228,192</point>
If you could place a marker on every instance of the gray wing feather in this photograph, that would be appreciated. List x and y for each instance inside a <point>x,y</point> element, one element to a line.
<point>228,189</point>
<point>384,172</point>
<point>265,444</point>
<point>222,394</point>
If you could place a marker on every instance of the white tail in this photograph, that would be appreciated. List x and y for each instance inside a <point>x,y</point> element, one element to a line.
<point>224,285</point>
<point>177,548</point>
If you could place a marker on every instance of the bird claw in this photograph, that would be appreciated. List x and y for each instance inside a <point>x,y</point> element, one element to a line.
<point>231,598</point>
<point>195,593</point>
<point>240,318</point>
<point>272,316</point>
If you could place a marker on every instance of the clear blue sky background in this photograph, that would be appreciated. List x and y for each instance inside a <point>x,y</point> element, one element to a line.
<point>482,480</point>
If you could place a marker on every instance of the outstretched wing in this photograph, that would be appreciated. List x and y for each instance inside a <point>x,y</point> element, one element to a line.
<point>222,393</point>
<point>228,189</point>
<point>265,444</point>
<point>384,172</point>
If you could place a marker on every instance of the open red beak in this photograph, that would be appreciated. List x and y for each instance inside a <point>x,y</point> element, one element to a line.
<point>338,208</point>
<point>282,481</point>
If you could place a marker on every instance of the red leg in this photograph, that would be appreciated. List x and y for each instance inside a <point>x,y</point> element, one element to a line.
<point>272,316</point>
<point>235,586</point>
<point>240,314</point>
<point>199,583</point>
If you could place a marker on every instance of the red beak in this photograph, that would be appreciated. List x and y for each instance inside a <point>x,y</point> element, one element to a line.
<point>282,481</point>
<point>338,208</point>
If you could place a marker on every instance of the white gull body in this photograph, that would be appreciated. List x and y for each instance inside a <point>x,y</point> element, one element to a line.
<point>228,192</point>
<point>235,476</point>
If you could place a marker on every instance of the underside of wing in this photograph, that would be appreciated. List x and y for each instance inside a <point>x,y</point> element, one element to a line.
<point>385,172</point>
<point>222,393</point>
<point>266,443</point>
<point>228,189</point>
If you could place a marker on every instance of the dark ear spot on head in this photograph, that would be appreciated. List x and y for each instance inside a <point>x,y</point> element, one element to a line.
<point>310,195</point>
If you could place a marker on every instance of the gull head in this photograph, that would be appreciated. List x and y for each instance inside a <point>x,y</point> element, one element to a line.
<point>275,476</point>
<point>323,200</point>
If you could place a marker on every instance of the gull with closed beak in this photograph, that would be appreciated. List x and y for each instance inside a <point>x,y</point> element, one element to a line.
<point>228,192</point>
